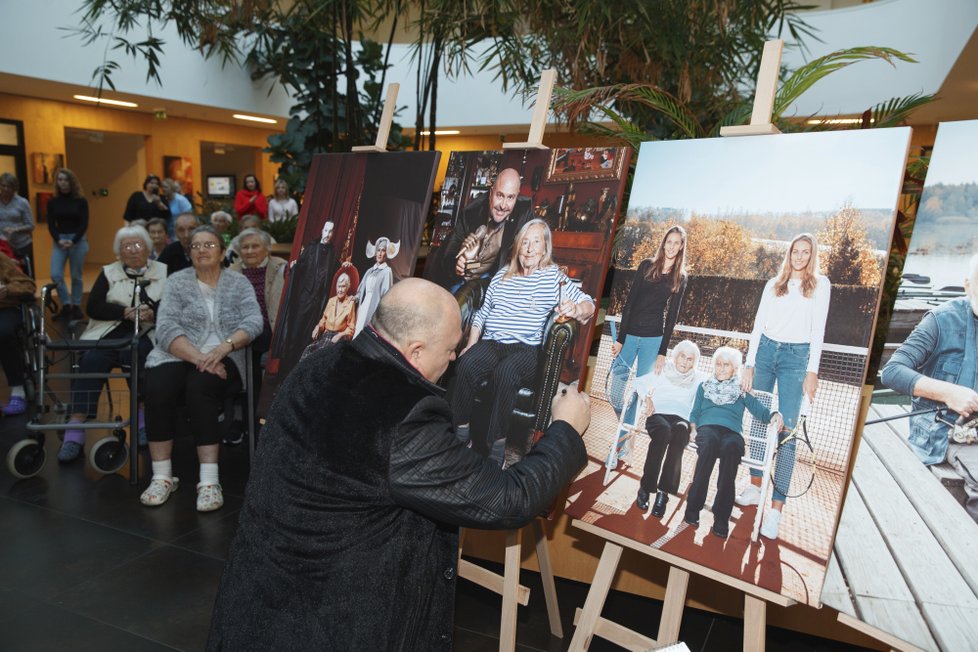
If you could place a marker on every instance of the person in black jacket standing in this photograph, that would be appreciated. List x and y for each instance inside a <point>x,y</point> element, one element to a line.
<point>67,223</point>
<point>348,537</point>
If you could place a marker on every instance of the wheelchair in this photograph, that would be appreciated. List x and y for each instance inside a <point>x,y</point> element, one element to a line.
<point>531,413</point>
<point>43,355</point>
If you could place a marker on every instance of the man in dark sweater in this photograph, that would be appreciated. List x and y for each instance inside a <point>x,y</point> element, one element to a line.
<point>348,537</point>
<point>176,255</point>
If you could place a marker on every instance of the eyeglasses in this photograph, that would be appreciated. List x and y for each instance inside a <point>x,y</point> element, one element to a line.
<point>197,246</point>
<point>133,246</point>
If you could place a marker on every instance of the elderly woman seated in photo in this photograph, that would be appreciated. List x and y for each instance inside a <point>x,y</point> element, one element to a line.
<point>668,398</point>
<point>506,333</point>
<point>718,416</point>
<point>339,317</point>
<point>130,287</point>
<point>207,316</point>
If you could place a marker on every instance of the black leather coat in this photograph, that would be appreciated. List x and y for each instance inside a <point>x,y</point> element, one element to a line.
<point>348,538</point>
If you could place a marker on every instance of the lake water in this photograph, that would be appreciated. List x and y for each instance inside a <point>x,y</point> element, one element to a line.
<point>943,270</point>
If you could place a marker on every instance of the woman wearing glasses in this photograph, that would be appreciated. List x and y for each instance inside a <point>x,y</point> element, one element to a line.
<point>207,316</point>
<point>131,283</point>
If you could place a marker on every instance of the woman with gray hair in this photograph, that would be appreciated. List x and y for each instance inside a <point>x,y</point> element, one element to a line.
<point>667,398</point>
<point>718,418</point>
<point>16,220</point>
<point>132,283</point>
<point>265,272</point>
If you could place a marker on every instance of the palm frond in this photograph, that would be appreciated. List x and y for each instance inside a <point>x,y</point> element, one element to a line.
<point>894,111</point>
<point>578,104</point>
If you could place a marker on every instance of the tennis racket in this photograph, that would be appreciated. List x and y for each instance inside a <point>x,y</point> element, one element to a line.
<point>794,459</point>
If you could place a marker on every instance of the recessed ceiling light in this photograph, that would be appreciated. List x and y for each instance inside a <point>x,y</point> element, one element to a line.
<point>442,132</point>
<point>837,121</point>
<point>102,100</point>
<point>254,118</point>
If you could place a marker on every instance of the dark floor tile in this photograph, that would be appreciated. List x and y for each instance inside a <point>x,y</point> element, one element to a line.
<point>165,596</point>
<point>47,627</point>
<point>44,552</point>
<point>466,640</point>
<point>212,538</point>
<point>13,603</point>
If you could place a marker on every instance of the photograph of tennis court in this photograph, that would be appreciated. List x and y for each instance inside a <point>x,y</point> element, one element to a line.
<point>732,360</point>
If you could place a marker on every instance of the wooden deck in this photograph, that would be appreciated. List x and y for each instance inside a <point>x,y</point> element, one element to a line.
<point>905,563</point>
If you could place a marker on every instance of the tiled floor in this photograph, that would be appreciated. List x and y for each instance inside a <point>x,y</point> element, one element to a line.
<point>83,566</point>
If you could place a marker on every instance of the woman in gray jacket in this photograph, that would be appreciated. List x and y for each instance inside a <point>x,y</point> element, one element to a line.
<point>206,317</point>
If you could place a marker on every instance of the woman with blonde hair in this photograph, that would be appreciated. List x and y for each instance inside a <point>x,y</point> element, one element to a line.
<point>67,223</point>
<point>785,349</point>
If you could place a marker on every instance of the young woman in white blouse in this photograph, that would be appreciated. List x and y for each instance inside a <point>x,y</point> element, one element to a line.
<point>785,349</point>
<point>281,207</point>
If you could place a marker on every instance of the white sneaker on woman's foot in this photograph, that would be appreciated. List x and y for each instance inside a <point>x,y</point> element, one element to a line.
<point>751,495</point>
<point>209,497</point>
<point>769,527</point>
<point>158,491</point>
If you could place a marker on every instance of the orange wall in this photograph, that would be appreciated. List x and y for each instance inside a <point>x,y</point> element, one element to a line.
<point>44,131</point>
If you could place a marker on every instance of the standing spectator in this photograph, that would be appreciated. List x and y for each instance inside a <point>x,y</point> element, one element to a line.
<point>16,220</point>
<point>146,204</point>
<point>15,287</point>
<point>156,228</point>
<point>249,200</point>
<point>282,207</point>
<point>176,255</point>
<point>177,202</point>
<point>67,223</point>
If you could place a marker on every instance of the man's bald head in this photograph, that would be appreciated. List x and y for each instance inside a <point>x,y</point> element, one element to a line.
<point>502,197</point>
<point>423,322</point>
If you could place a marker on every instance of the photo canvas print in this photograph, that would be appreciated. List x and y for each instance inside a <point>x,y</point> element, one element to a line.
<point>729,371</point>
<point>914,493</point>
<point>359,232</point>
<point>522,238</point>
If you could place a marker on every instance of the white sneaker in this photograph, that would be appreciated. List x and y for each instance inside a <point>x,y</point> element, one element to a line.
<point>769,527</point>
<point>751,495</point>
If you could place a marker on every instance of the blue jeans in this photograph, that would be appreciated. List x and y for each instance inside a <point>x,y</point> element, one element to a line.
<point>646,350</point>
<point>785,364</point>
<point>75,257</point>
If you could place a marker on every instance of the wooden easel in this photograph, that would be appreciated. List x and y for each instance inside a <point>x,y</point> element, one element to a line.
<point>386,117</point>
<point>588,621</point>
<point>508,584</point>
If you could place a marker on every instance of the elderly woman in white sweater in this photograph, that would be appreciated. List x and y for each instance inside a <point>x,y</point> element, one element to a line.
<point>207,316</point>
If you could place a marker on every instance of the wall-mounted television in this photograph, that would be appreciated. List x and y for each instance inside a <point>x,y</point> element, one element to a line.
<point>220,186</point>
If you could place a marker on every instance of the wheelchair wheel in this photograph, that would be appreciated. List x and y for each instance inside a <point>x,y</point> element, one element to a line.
<point>26,458</point>
<point>108,455</point>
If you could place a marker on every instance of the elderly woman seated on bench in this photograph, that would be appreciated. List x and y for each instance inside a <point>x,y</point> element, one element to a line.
<point>506,333</point>
<point>718,417</point>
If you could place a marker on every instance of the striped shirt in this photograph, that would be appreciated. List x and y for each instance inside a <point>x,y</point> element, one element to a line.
<point>516,309</point>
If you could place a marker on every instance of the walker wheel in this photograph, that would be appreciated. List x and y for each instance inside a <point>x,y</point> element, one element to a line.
<point>108,455</point>
<point>26,458</point>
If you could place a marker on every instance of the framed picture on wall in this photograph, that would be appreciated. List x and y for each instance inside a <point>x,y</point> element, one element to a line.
<point>42,199</point>
<point>585,164</point>
<point>180,168</point>
<point>220,186</point>
<point>45,166</point>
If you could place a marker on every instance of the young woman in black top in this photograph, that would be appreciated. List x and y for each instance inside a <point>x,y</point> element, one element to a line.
<point>67,223</point>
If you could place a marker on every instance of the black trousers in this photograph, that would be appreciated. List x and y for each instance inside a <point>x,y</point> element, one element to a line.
<point>179,383</point>
<point>715,443</point>
<point>668,434</point>
<point>11,353</point>
<point>508,367</point>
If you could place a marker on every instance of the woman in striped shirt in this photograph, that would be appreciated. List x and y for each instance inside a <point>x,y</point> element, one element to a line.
<point>507,330</point>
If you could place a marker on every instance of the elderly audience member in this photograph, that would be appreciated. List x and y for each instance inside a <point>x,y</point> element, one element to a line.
<point>207,316</point>
<point>176,255</point>
<point>67,223</point>
<point>146,204</point>
<point>668,398</point>
<point>157,229</point>
<point>338,319</point>
<point>15,287</point>
<point>718,417</point>
<point>506,333</point>
<point>376,281</point>
<point>131,284</point>
<point>177,203</point>
<point>936,366</point>
<point>222,221</point>
<point>16,220</point>
<point>282,207</point>
<point>348,536</point>
<point>265,272</point>
<point>250,200</point>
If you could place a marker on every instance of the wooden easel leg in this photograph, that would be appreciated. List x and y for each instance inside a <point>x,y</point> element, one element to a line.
<point>547,578</point>
<point>511,585</point>
<point>672,606</point>
<point>755,623</point>
<point>596,597</point>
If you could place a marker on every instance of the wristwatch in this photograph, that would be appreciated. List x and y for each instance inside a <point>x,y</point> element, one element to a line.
<point>228,341</point>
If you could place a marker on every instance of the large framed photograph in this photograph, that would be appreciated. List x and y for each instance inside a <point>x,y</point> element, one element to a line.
<point>729,374</point>
<point>497,209</point>
<point>909,528</point>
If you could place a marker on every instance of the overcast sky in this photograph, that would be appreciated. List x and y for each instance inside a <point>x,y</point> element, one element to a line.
<point>955,156</point>
<point>781,173</point>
